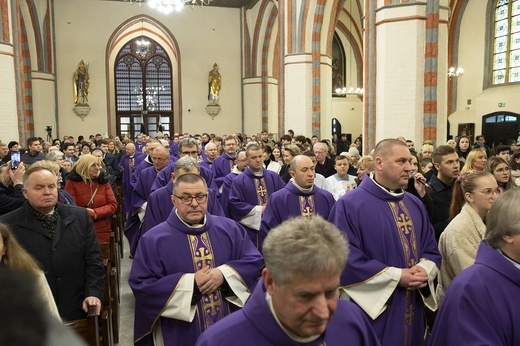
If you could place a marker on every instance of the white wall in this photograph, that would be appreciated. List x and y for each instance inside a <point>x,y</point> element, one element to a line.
<point>204,36</point>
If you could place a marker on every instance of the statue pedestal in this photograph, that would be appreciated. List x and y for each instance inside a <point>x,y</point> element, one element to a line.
<point>212,110</point>
<point>82,110</point>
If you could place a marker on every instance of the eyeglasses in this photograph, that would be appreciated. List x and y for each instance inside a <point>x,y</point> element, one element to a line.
<point>189,199</point>
<point>490,192</point>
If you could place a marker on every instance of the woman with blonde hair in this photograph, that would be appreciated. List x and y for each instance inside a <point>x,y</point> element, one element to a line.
<point>473,195</point>
<point>14,256</point>
<point>91,189</point>
<point>365,165</point>
<point>475,161</point>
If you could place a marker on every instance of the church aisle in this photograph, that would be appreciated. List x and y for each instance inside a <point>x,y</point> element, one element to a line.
<point>126,327</point>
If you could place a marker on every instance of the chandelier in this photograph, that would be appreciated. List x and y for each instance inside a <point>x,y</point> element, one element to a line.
<point>349,92</point>
<point>455,72</point>
<point>151,99</point>
<point>167,6</point>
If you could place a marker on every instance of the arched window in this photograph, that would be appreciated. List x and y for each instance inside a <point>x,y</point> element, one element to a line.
<point>338,65</point>
<point>506,47</point>
<point>143,82</point>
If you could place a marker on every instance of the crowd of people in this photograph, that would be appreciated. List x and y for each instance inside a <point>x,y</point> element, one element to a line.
<point>215,224</point>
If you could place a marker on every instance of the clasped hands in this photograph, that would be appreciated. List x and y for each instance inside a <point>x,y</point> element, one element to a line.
<point>413,278</point>
<point>208,279</point>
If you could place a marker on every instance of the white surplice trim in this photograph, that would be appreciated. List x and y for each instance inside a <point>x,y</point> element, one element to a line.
<point>142,211</point>
<point>236,283</point>
<point>432,271</point>
<point>179,307</point>
<point>254,218</point>
<point>373,294</point>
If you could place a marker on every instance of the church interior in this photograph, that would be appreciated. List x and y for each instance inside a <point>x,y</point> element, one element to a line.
<point>378,68</point>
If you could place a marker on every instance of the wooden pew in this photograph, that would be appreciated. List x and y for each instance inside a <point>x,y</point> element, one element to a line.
<point>111,300</point>
<point>87,328</point>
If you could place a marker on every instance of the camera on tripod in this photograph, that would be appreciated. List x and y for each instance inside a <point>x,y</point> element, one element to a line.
<point>49,128</point>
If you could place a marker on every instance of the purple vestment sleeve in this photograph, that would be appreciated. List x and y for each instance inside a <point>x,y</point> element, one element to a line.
<point>145,163</point>
<point>221,167</point>
<point>482,304</point>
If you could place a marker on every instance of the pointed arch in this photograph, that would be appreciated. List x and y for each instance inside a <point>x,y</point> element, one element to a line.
<point>132,28</point>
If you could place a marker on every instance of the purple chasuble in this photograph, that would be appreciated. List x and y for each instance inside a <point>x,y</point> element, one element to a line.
<point>256,324</point>
<point>482,304</point>
<point>222,166</point>
<point>291,202</point>
<point>387,230</point>
<point>145,163</point>
<point>169,251</point>
<point>247,191</point>
<point>129,165</point>
<point>226,186</point>
<point>160,205</point>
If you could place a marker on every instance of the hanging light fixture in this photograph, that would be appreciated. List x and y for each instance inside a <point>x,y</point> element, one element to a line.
<point>352,91</point>
<point>168,6</point>
<point>455,72</point>
<point>142,45</point>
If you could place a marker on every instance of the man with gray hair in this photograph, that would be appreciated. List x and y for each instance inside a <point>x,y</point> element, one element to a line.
<point>297,304</point>
<point>160,201</point>
<point>325,166</point>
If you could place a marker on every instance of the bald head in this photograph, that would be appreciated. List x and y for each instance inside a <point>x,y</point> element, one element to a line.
<point>301,170</point>
<point>211,151</point>
<point>130,149</point>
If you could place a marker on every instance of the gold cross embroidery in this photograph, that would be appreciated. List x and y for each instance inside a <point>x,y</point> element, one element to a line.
<point>261,191</point>
<point>307,212</point>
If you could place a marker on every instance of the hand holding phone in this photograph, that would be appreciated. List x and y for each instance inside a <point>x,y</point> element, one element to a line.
<point>15,160</point>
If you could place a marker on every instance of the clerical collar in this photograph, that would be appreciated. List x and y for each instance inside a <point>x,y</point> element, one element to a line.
<point>257,174</point>
<point>299,339</point>
<point>515,263</point>
<point>309,190</point>
<point>200,224</point>
<point>395,193</point>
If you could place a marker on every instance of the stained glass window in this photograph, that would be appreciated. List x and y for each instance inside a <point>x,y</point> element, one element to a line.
<point>506,47</point>
<point>143,83</point>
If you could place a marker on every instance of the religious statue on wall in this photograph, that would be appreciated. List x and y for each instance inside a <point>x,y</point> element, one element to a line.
<point>81,84</point>
<point>214,85</point>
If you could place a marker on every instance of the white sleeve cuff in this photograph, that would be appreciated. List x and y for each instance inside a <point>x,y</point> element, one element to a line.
<point>432,271</point>
<point>236,283</point>
<point>254,218</point>
<point>373,294</point>
<point>142,211</point>
<point>179,306</point>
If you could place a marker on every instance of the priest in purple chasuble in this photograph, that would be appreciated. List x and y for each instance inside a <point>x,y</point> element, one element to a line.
<point>141,192</point>
<point>394,257</point>
<point>226,186</point>
<point>160,201</point>
<point>146,161</point>
<point>223,164</point>
<point>127,166</point>
<point>297,304</point>
<point>482,304</point>
<point>250,192</point>
<point>300,197</point>
<point>190,271</point>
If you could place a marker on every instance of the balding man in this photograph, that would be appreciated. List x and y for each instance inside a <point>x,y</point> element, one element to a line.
<point>147,161</point>
<point>300,197</point>
<point>394,257</point>
<point>161,159</point>
<point>325,166</point>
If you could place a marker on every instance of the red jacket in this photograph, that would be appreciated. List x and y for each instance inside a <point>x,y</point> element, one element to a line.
<point>104,202</point>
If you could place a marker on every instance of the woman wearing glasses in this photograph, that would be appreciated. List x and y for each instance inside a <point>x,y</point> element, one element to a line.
<point>502,173</point>
<point>473,195</point>
<point>90,188</point>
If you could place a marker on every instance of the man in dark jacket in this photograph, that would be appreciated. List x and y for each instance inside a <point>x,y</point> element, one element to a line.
<point>62,239</point>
